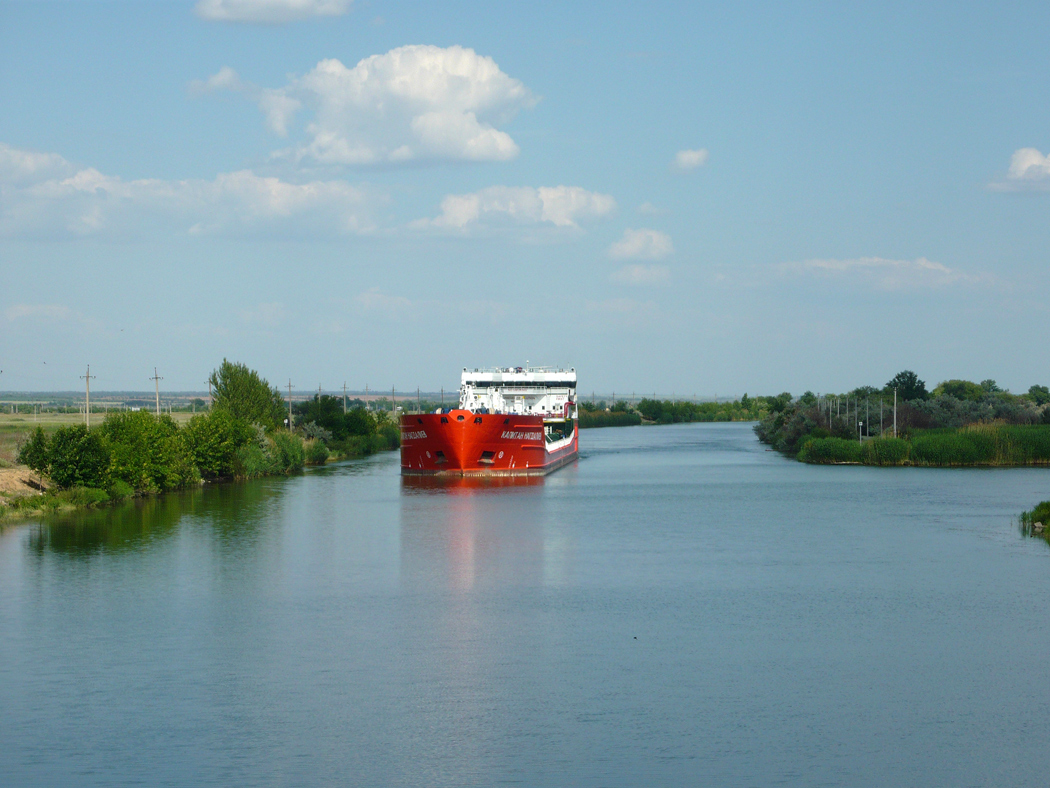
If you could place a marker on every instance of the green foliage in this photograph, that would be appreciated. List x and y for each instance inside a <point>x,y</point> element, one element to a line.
<point>245,396</point>
<point>830,450</point>
<point>668,412</point>
<point>908,386</point>
<point>886,451</point>
<point>213,441</point>
<point>1040,514</point>
<point>315,452</point>
<point>77,458</point>
<point>1040,395</point>
<point>287,451</point>
<point>960,389</point>
<point>983,444</point>
<point>120,490</point>
<point>252,461</point>
<point>148,452</point>
<point>34,452</point>
<point>611,418</point>
<point>85,496</point>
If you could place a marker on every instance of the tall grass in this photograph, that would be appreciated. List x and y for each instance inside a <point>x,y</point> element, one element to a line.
<point>886,451</point>
<point>602,418</point>
<point>983,444</point>
<point>825,451</point>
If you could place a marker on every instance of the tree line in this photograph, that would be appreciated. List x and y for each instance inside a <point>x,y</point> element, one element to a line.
<point>959,422</point>
<point>245,434</point>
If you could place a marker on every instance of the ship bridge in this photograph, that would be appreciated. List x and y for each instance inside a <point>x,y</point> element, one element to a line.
<point>533,391</point>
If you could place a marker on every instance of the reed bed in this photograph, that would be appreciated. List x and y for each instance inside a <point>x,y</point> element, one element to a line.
<point>974,445</point>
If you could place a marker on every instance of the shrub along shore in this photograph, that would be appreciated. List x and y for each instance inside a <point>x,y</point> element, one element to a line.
<point>959,424</point>
<point>245,435</point>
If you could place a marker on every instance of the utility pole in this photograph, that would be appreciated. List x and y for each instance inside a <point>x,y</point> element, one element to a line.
<point>894,411</point>
<point>87,395</point>
<point>393,402</point>
<point>209,393</point>
<point>344,397</point>
<point>156,382</point>
<point>289,404</point>
<point>442,397</point>
<point>417,399</point>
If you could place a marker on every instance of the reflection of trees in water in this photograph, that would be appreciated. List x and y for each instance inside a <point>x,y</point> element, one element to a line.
<point>234,511</point>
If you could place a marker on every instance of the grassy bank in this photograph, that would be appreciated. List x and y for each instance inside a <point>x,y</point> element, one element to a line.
<point>988,445</point>
<point>245,435</point>
<point>1037,521</point>
<point>607,418</point>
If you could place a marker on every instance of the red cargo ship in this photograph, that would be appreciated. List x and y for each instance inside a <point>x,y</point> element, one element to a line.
<point>510,420</point>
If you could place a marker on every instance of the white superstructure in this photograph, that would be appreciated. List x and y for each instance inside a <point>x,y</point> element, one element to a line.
<point>533,391</point>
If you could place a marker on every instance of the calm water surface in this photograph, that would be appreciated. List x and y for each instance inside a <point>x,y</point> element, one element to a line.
<point>681,607</point>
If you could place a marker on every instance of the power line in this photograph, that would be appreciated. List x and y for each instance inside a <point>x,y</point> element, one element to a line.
<point>87,395</point>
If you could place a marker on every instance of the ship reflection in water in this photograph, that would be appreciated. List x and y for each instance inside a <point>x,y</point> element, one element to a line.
<point>468,532</point>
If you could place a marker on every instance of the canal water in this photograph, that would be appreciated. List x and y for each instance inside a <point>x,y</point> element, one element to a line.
<point>680,607</point>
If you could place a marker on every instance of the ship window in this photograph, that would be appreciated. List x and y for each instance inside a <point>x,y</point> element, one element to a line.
<point>444,420</point>
<point>487,455</point>
<point>420,421</point>
<point>506,421</point>
<point>477,419</point>
<point>459,418</point>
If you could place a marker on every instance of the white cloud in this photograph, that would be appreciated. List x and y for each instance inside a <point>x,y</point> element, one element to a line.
<point>690,159</point>
<point>224,79</point>
<point>414,103</point>
<point>642,275</point>
<point>642,245</point>
<point>1029,170</point>
<point>884,274</point>
<point>269,11</point>
<point>25,167</point>
<point>88,202</point>
<point>560,206</point>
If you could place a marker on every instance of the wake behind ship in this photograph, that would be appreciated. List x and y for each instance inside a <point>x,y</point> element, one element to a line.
<point>510,420</point>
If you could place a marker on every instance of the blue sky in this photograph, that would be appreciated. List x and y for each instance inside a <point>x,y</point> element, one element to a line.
<point>684,198</point>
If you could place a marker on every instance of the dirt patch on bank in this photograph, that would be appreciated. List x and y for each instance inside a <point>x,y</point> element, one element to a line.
<point>20,481</point>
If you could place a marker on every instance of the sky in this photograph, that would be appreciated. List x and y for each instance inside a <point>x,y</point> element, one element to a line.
<point>697,199</point>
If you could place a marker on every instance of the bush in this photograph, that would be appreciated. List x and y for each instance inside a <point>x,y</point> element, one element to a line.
<point>830,450</point>
<point>252,461</point>
<point>148,452</point>
<point>315,452</point>
<point>287,452</point>
<point>601,418</point>
<point>120,490</point>
<point>886,451</point>
<point>84,496</point>
<point>77,458</point>
<point>34,452</point>
<point>213,441</point>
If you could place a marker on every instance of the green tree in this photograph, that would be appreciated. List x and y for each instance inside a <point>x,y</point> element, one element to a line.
<point>244,395</point>
<point>1040,395</point>
<point>908,386</point>
<point>77,458</point>
<point>990,386</point>
<point>148,452</point>
<point>960,389</point>
<point>34,452</point>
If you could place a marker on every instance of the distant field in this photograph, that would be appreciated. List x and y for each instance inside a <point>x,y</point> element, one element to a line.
<point>14,426</point>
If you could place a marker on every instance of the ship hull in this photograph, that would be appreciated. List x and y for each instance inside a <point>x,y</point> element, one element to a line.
<point>492,444</point>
